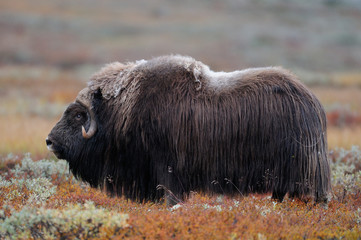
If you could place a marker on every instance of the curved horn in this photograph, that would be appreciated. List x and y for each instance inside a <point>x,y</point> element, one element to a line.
<point>93,126</point>
<point>83,97</point>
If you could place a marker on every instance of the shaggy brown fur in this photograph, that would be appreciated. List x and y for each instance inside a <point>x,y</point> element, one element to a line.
<point>173,122</point>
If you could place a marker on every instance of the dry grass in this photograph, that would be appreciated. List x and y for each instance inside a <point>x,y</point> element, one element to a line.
<point>344,96</point>
<point>343,137</point>
<point>24,134</point>
<point>350,79</point>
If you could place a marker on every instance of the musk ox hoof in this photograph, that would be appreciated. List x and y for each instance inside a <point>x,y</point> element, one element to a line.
<point>278,196</point>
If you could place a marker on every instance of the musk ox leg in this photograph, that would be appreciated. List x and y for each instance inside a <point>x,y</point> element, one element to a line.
<point>294,195</point>
<point>322,198</point>
<point>170,198</point>
<point>278,195</point>
<point>323,182</point>
<point>171,185</point>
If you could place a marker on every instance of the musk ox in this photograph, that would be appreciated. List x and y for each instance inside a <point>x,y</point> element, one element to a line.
<point>172,122</point>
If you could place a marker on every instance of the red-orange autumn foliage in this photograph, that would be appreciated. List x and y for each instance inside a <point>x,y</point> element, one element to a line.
<point>219,217</point>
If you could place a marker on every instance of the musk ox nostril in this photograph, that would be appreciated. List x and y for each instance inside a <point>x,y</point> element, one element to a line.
<point>49,143</point>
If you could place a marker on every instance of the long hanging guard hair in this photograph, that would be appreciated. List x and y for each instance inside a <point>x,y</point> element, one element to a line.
<point>255,130</point>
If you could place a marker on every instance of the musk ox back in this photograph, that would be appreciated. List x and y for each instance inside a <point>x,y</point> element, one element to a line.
<point>172,122</point>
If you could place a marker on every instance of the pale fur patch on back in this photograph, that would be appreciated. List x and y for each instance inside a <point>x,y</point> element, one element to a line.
<point>226,80</point>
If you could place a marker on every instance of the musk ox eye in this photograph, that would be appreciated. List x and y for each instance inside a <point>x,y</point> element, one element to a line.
<point>78,116</point>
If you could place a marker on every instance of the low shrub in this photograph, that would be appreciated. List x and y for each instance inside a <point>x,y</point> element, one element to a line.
<point>34,191</point>
<point>50,169</point>
<point>346,172</point>
<point>72,222</point>
<point>41,200</point>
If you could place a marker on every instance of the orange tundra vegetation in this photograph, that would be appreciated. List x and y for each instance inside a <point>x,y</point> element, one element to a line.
<point>255,216</point>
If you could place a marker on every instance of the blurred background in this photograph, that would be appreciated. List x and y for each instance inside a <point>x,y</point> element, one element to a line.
<point>49,49</point>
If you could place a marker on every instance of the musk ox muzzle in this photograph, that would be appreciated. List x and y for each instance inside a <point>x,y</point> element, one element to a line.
<point>170,125</point>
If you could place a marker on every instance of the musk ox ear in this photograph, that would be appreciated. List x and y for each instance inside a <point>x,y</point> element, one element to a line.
<point>98,94</point>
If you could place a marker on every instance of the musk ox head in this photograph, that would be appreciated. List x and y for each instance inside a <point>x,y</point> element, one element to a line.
<point>70,129</point>
<point>84,136</point>
<point>72,135</point>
